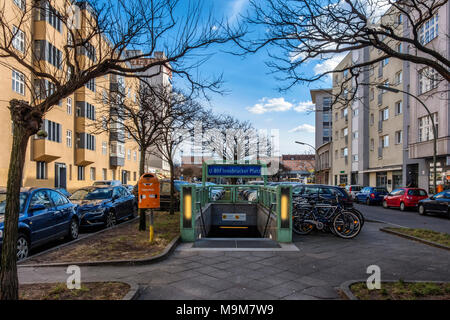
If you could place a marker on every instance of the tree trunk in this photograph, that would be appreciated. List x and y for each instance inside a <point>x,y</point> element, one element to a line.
<point>172,188</point>
<point>142,220</point>
<point>26,122</point>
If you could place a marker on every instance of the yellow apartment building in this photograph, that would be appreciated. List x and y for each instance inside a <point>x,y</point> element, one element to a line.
<point>73,154</point>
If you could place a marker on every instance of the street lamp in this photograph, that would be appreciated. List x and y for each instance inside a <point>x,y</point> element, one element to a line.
<point>432,123</point>
<point>316,159</point>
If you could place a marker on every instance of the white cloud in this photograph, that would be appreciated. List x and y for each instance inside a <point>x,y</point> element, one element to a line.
<point>236,7</point>
<point>304,106</point>
<point>270,105</point>
<point>279,105</point>
<point>307,128</point>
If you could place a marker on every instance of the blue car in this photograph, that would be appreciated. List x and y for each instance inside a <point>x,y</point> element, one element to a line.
<point>104,205</point>
<point>44,215</point>
<point>371,195</point>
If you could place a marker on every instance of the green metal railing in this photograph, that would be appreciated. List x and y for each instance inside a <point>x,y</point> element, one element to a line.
<point>277,199</point>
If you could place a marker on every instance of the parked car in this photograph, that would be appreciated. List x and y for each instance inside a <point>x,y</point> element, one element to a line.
<point>353,189</point>
<point>371,195</point>
<point>438,203</point>
<point>64,192</point>
<point>129,187</point>
<point>104,205</point>
<point>107,183</point>
<point>323,191</point>
<point>404,198</point>
<point>44,215</point>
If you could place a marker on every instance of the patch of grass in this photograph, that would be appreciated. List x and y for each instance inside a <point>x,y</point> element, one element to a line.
<point>123,242</point>
<point>88,291</point>
<point>401,290</point>
<point>430,235</point>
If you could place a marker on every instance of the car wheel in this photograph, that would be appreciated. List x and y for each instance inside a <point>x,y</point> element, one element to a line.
<point>368,201</point>
<point>422,210</point>
<point>74,229</point>
<point>385,205</point>
<point>110,219</point>
<point>23,247</point>
<point>402,206</point>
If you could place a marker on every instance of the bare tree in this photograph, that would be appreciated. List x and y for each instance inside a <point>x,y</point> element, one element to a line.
<point>95,37</point>
<point>182,116</point>
<point>312,30</point>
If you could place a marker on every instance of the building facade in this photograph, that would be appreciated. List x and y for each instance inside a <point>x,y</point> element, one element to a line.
<point>73,154</point>
<point>383,138</point>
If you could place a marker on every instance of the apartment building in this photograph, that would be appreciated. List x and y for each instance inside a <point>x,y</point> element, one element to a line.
<point>391,133</point>
<point>386,111</point>
<point>73,154</point>
<point>434,92</point>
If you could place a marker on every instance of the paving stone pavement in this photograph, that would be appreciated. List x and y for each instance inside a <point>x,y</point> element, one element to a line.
<point>322,263</point>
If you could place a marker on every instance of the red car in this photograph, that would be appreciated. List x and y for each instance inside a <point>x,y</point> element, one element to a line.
<point>404,198</point>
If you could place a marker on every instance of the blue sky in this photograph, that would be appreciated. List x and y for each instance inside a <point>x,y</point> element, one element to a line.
<point>252,92</point>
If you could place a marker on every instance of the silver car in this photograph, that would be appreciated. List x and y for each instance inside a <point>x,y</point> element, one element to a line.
<point>353,189</point>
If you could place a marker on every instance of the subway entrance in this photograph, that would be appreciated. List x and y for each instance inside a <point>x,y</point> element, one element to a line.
<point>220,216</point>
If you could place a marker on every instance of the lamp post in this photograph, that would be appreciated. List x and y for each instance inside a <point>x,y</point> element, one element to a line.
<point>432,123</point>
<point>317,157</point>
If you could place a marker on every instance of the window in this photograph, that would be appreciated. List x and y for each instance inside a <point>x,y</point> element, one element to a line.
<point>385,62</point>
<point>18,41</point>
<point>400,19</point>
<point>398,137</point>
<point>18,82</point>
<point>92,171</point>
<point>54,55</point>
<point>385,141</point>
<point>355,112</point>
<point>355,158</point>
<point>104,174</point>
<point>336,117</point>
<point>400,48</point>
<point>135,157</point>
<point>69,138</point>
<point>429,30</point>
<point>91,85</point>
<point>41,170</point>
<point>58,199</point>
<point>88,50</point>
<point>372,94</point>
<point>41,197</point>
<point>355,135</point>
<point>80,173</point>
<point>428,79</point>
<point>104,147</point>
<point>53,130</point>
<point>134,176</point>
<point>372,119</point>
<point>398,77</point>
<point>69,105</point>
<point>372,144</point>
<point>335,154</point>
<point>398,107</point>
<point>20,4</point>
<point>385,114</point>
<point>129,154</point>
<point>426,128</point>
<point>85,141</point>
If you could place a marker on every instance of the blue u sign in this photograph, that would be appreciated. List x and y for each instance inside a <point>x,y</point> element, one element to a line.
<point>224,170</point>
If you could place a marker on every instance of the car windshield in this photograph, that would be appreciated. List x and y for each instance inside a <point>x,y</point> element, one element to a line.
<point>417,193</point>
<point>22,200</point>
<point>96,194</point>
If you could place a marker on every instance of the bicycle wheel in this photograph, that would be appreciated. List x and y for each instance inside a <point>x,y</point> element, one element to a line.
<point>346,225</point>
<point>299,226</point>
<point>359,214</point>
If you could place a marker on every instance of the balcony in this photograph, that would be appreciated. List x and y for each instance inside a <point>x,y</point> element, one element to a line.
<point>117,87</point>
<point>46,150</point>
<point>85,157</point>
<point>115,161</point>
<point>116,135</point>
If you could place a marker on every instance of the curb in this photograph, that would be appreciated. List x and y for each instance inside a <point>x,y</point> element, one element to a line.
<point>163,255</point>
<point>345,287</point>
<point>430,243</point>
<point>74,241</point>
<point>133,293</point>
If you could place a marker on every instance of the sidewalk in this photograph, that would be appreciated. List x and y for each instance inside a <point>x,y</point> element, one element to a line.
<point>322,264</point>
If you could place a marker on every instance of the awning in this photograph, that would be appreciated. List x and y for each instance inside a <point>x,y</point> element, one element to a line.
<point>383,169</point>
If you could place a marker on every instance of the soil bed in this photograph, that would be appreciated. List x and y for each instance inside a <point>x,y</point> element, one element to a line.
<point>88,291</point>
<point>122,243</point>
<point>430,235</point>
<point>401,290</point>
